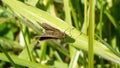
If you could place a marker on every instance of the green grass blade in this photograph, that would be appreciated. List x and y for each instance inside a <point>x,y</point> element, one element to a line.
<point>7,55</point>
<point>22,62</point>
<point>91,35</point>
<point>74,59</point>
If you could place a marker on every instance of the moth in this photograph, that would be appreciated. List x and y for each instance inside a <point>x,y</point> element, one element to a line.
<point>51,33</point>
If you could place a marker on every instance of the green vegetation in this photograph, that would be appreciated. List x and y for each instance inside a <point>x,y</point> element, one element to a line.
<point>91,31</point>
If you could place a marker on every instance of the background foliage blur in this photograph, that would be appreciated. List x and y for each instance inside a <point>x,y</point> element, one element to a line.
<point>12,32</point>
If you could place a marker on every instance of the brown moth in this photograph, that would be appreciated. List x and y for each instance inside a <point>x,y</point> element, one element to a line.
<point>51,33</point>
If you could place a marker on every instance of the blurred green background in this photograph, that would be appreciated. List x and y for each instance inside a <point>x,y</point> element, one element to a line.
<point>56,53</point>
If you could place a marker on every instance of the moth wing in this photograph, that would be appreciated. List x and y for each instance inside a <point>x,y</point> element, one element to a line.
<point>48,27</point>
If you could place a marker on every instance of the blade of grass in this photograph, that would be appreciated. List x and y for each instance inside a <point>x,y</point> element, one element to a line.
<point>26,39</point>
<point>7,55</point>
<point>58,56</point>
<point>107,45</point>
<point>22,62</point>
<point>85,24</point>
<point>91,35</point>
<point>67,11</point>
<point>111,19</point>
<point>100,30</point>
<point>74,59</point>
<point>101,14</point>
<point>24,51</point>
<point>43,51</point>
<point>74,15</point>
